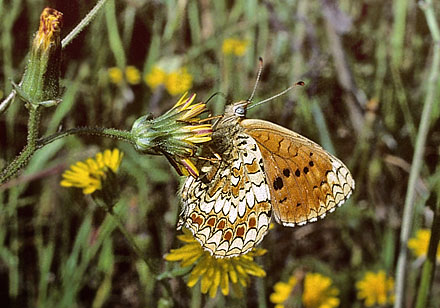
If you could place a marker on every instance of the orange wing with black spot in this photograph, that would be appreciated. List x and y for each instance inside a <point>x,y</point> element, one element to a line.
<point>305,181</point>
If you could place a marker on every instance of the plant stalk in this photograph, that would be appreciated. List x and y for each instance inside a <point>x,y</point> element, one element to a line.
<point>428,271</point>
<point>418,155</point>
<point>97,131</point>
<point>31,146</point>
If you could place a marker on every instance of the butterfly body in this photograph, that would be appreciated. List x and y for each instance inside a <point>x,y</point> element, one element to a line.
<point>264,170</point>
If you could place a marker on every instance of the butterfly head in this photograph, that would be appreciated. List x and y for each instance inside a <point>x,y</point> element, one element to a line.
<point>236,110</point>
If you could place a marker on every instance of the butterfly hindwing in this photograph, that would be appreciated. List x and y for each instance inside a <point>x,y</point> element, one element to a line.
<point>228,207</point>
<point>305,181</point>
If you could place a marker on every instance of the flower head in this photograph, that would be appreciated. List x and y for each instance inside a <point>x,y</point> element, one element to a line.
<point>132,75</point>
<point>234,46</point>
<point>376,289</point>
<point>179,81</point>
<point>155,78</point>
<point>115,75</point>
<point>50,27</point>
<point>282,291</point>
<point>40,83</point>
<point>318,292</point>
<point>90,174</point>
<point>215,272</point>
<point>420,243</point>
<point>174,134</point>
<point>176,82</point>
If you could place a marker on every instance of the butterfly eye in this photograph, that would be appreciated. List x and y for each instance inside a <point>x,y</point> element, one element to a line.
<point>240,111</point>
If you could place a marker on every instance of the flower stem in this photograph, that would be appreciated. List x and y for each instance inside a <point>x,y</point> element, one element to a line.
<point>83,23</point>
<point>31,146</point>
<point>151,264</point>
<point>429,265</point>
<point>418,154</point>
<point>98,131</point>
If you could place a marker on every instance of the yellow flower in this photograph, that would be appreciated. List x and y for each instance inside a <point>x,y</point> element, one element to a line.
<point>420,243</point>
<point>155,78</point>
<point>50,27</point>
<point>318,292</point>
<point>376,289</point>
<point>89,175</point>
<point>1,94</point>
<point>215,272</point>
<point>179,81</point>
<point>115,75</point>
<point>234,46</point>
<point>282,291</point>
<point>174,134</point>
<point>132,75</point>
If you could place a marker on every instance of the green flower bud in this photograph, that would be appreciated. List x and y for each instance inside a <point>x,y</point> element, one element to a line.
<point>40,83</point>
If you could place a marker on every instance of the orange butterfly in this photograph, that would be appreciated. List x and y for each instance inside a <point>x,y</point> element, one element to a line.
<point>264,170</point>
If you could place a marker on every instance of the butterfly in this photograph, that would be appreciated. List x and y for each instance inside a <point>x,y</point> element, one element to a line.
<point>262,171</point>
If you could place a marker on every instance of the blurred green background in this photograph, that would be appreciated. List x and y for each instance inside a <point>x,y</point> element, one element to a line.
<point>366,71</point>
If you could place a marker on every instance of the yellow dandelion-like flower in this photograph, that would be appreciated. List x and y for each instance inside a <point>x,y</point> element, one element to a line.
<point>282,291</point>
<point>132,75</point>
<point>115,75</point>
<point>179,81</point>
<point>175,134</point>
<point>234,46</point>
<point>318,292</point>
<point>89,174</point>
<point>212,272</point>
<point>376,289</point>
<point>155,78</point>
<point>420,243</point>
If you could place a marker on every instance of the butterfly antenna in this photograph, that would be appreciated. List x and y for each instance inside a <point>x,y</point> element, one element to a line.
<point>213,95</point>
<point>260,70</point>
<point>299,83</point>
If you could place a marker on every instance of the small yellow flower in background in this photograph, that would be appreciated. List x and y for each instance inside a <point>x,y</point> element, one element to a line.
<point>318,292</point>
<point>155,78</point>
<point>376,289</point>
<point>215,272</point>
<point>282,291</point>
<point>115,75</point>
<point>420,243</point>
<point>1,94</point>
<point>179,81</point>
<point>132,75</point>
<point>90,174</point>
<point>234,46</point>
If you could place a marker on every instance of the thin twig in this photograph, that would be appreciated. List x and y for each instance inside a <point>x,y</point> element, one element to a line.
<point>418,155</point>
<point>84,22</point>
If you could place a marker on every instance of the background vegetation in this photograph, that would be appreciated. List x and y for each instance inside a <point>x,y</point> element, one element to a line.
<point>366,65</point>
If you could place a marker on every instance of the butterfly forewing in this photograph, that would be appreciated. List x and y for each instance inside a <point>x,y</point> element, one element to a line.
<point>228,207</point>
<point>305,181</point>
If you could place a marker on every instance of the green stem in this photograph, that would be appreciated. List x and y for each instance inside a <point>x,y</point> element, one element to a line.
<point>429,265</point>
<point>98,131</point>
<point>83,23</point>
<point>418,155</point>
<point>23,158</point>
<point>400,8</point>
<point>151,264</point>
<point>131,240</point>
